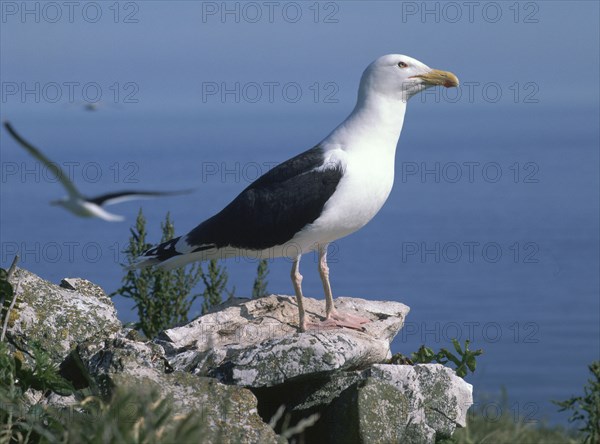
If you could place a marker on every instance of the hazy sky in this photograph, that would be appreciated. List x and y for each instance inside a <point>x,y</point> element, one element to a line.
<point>166,54</point>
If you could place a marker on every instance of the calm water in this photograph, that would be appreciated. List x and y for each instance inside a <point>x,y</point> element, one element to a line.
<point>490,233</point>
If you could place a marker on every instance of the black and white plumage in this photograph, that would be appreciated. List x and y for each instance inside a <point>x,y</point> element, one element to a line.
<point>76,202</point>
<point>320,195</point>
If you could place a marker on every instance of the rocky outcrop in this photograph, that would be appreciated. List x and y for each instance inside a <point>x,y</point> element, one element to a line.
<point>256,343</point>
<point>56,318</point>
<point>76,325</point>
<point>240,363</point>
<point>437,399</point>
<point>384,403</point>
<point>229,412</point>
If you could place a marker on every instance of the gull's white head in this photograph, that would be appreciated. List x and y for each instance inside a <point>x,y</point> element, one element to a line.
<point>400,77</point>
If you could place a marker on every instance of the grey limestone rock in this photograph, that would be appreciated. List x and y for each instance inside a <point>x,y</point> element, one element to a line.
<point>229,413</point>
<point>256,343</point>
<point>387,403</point>
<point>240,362</point>
<point>56,318</point>
<point>438,400</point>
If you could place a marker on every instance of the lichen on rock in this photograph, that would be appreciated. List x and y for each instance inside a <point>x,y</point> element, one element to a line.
<point>256,343</point>
<point>229,413</point>
<point>238,364</point>
<point>56,318</point>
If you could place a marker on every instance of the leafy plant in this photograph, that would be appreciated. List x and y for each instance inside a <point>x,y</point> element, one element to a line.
<point>586,408</point>
<point>20,420</point>
<point>6,301</point>
<point>215,282</point>
<point>8,296</point>
<point>465,361</point>
<point>6,289</point>
<point>43,376</point>
<point>162,298</point>
<point>259,288</point>
<point>132,415</point>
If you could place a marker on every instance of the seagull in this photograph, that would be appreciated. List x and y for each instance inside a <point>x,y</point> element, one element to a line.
<point>76,202</point>
<point>319,196</point>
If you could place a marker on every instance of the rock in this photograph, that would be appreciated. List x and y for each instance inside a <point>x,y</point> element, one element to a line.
<point>384,403</point>
<point>56,318</point>
<point>230,412</point>
<point>369,411</point>
<point>323,392</point>
<point>238,364</point>
<point>438,399</point>
<point>256,343</point>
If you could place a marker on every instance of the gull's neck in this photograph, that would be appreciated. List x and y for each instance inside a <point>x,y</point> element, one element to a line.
<point>374,124</point>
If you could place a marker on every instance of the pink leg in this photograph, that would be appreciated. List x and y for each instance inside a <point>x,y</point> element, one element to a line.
<point>297,281</point>
<point>333,318</point>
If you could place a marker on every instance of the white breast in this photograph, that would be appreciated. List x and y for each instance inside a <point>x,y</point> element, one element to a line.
<point>362,191</point>
<point>365,145</point>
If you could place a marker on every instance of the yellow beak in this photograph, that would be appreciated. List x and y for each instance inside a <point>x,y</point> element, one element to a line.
<point>437,77</point>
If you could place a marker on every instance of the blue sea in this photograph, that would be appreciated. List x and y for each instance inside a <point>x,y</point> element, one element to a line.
<point>488,235</point>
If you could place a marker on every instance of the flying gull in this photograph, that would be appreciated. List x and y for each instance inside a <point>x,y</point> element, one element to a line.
<point>76,202</point>
<point>318,196</point>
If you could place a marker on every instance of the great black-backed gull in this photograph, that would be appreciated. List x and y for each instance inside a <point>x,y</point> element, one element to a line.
<point>76,202</point>
<point>318,196</point>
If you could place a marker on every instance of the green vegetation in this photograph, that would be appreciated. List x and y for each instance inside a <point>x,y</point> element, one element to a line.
<point>163,298</point>
<point>586,408</point>
<point>20,421</point>
<point>259,289</point>
<point>134,415</point>
<point>465,361</point>
<point>215,283</point>
<point>8,297</point>
<point>130,415</point>
<point>6,290</point>
<point>498,423</point>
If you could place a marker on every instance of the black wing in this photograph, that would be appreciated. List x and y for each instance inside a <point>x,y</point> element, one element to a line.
<point>52,167</point>
<point>273,208</point>
<point>122,196</point>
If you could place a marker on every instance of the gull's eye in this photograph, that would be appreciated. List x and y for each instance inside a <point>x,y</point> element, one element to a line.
<point>402,65</point>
